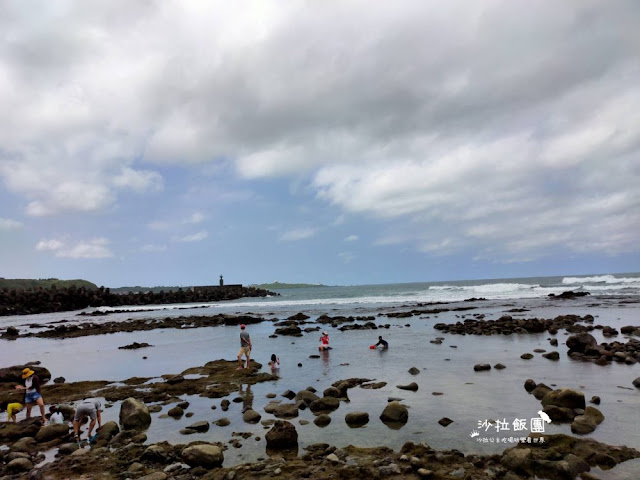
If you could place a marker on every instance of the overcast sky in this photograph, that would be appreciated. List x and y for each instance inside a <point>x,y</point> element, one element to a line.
<point>347,142</point>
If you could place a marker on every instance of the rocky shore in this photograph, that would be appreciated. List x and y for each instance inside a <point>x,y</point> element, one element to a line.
<point>120,451</point>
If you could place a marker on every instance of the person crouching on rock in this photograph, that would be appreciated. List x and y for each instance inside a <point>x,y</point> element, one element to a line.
<point>12,409</point>
<point>245,347</point>
<point>324,342</point>
<point>55,415</point>
<point>32,395</point>
<point>88,408</point>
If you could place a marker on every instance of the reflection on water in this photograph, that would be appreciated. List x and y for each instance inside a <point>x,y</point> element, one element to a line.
<point>467,397</point>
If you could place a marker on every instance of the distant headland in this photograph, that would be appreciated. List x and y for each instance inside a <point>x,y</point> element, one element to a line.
<point>278,285</point>
<point>24,297</point>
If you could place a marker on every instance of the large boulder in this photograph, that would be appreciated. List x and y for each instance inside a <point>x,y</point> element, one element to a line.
<point>564,397</point>
<point>19,465</point>
<point>283,435</point>
<point>357,419</point>
<point>14,374</point>
<point>106,433</point>
<point>395,412</point>
<point>306,396</point>
<point>251,416</point>
<point>285,410</point>
<point>203,455</point>
<point>587,423</point>
<point>517,460</point>
<point>581,342</point>
<point>324,404</point>
<point>52,432</point>
<point>134,415</point>
<point>14,431</point>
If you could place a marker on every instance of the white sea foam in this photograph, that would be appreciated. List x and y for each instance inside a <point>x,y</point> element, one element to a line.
<point>610,279</point>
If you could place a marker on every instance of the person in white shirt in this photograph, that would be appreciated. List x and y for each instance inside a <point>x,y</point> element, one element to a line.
<point>56,416</point>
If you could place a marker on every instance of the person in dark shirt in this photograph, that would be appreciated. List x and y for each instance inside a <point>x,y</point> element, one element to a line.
<point>382,342</point>
<point>245,347</point>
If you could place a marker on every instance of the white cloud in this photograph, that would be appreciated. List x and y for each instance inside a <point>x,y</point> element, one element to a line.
<point>49,245</point>
<point>7,224</point>
<point>195,218</point>
<point>94,248</point>
<point>298,234</point>
<point>152,248</point>
<point>351,238</point>
<point>509,154</point>
<point>196,237</point>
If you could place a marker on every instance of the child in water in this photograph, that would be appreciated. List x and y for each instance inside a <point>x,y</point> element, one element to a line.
<point>275,362</point>
<point>324,342</point>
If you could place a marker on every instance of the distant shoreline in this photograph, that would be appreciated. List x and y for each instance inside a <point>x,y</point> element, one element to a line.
<point>278,285</point>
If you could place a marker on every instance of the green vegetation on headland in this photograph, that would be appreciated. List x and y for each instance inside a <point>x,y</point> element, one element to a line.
<point>277,285</point>
<point>27,283</point>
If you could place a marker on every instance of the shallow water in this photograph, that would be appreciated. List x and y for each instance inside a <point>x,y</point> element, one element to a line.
<point>468,397</point>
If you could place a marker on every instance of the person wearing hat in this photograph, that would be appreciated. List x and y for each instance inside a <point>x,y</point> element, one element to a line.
<point>245,347</point>
<point>324,342</point>
<point>32,394</point>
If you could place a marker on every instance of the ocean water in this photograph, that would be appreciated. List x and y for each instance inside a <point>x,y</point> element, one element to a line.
<point>468,398</point>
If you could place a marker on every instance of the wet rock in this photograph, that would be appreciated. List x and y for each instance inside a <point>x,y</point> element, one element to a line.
<point>139,438</point>
<point>154,476</point>
<point>332,392</point>
<point>529,385</point>
<point>356,419</point>
<point>10,333</point>
<point>224,405</point>
<point>526,356</point>
<point>480,367</point>
<point>289,394</point>
<point>175,412</point>
<point>13,374</point>
<point>587,423</point>
<point>425,473</point>
<point>157,453</point>
<point>559,414</point>
<point>155,408</point>
<point>499,366</point>
<point>134,346</point>
<point>389,470</point>
<point>251,416</point>
<point>595,400</point>
<point>59,380</point>
<point>19,465</point>
<point>106,433</point>
<point>306,396</point>
<point>51,432</point>
<point>564,397</point>
<point>283,435</point>
<point>199,426</point>
<point>324,404</point>
<point>204,455</point>
<point>222,422</point>
<point>286,410</point>
<point>414,371</point>
<point>134,415</point>
<point>444,421</point>
<point>413,386</point>
<point>372,386</point>
<point>581,342</point>
<point>322,420</point>
<point>67,448</point>
<point>553,342</point>
<point>517,460</point>
<point>636,382</point>
<point>395,412</point>
<point>551,356</point>
<point>541,391</point>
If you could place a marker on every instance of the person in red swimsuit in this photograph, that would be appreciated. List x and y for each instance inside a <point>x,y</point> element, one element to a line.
<point>324,342</point>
